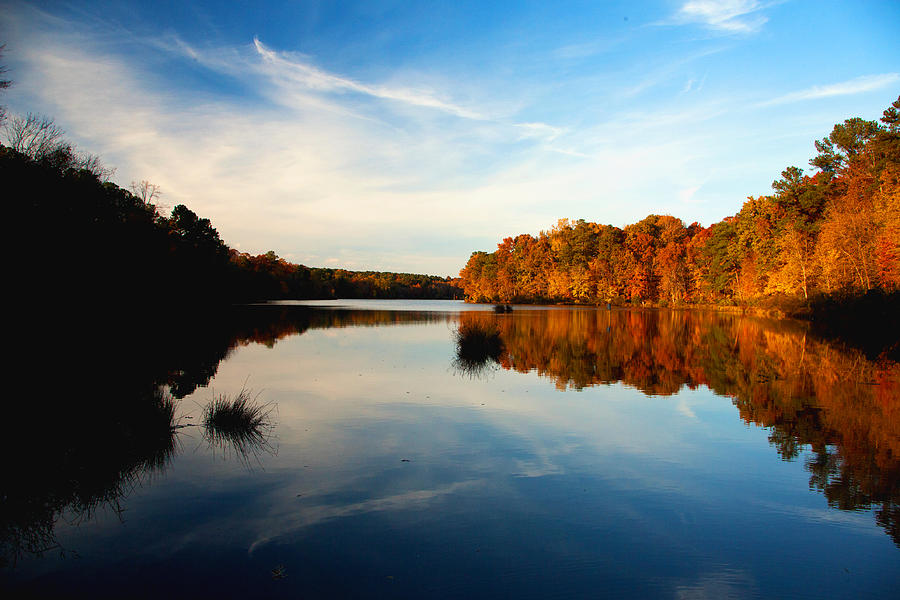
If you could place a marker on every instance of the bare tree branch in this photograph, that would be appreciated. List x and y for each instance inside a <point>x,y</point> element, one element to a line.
<point>146,191</point>
<point>4,83</point>
<point>40,139</point>
<point>35,136</point>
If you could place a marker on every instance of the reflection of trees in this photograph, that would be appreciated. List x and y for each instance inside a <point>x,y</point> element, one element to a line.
<point>580,348</point>
<point>843,406</point>
<point>204,343</point>
<point>83,460</point>
<point>94,418</point>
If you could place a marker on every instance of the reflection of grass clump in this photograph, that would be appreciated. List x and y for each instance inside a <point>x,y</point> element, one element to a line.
<point>478,346</point>
<point>240,423</point>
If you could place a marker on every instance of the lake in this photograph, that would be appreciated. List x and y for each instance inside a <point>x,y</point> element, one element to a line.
<point>564,453</point>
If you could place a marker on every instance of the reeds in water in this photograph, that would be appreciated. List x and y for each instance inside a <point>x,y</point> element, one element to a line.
<point>241,424</point>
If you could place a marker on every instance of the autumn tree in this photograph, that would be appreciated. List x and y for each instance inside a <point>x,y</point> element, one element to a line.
<point>836,229</point>
<point>886,206</point>
<point>670,259</point>
<point>479,277</point>
<point>795,275</point>
<point>891,117</point>
<point>606,267</point>
<point>722,258</point>
<point>844,142</point>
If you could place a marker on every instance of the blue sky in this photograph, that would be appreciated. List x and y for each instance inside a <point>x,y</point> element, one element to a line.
<point>404,135</point>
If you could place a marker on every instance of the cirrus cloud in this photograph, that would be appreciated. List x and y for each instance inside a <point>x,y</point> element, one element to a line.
<point>724,16</point>
<point>857,85</point>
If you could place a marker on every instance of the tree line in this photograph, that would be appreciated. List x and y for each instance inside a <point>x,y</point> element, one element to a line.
<point>836,230</point>
<point>89,240</point>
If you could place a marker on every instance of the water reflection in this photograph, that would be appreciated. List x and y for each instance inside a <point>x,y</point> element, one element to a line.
<point>87,460</point>
<point>88,451</point>
<point>479,347</point>
<point>808,392</point>
<point>366,454</point>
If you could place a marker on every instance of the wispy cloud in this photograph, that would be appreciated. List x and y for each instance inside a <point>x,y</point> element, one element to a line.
<point>539,130</point>
<point>724,16</point>
<point>665,72</point>
<point>299,71</point>
<point>587,49</point>
<point>693,85</point>
<point>687,194</point>
<point>858,85</point>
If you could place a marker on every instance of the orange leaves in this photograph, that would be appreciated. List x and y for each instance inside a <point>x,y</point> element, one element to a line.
<point>832,231</point>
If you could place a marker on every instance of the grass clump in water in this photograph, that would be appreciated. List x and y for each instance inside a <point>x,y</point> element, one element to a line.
<point>241,423</point>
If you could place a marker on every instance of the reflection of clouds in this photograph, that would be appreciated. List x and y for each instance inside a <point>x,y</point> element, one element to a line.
<point>392,373</point>
<point>313,515</point>
<point>537,468</point>
<point>544,459</point>
<point>685,408</point>
<point>727,584</point>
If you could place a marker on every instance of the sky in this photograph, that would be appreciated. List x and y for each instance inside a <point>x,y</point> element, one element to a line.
<point>405,135</point>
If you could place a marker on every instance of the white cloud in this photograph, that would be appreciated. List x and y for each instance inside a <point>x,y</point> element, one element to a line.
<point>858,85</point>
<point>693,85</point>
<point>724,16</point>
<point>294,69</point>
<point>687,194</point>
<point>540,131</point>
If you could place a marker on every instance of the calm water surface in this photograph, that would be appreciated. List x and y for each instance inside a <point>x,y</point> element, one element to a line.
<point>594,453</point>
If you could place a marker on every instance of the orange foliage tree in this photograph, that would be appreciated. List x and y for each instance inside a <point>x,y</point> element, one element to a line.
<point>835,230</point>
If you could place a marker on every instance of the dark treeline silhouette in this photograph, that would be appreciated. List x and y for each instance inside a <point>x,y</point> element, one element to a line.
<point>807,391</point>
<point>270,277</point>
<point>88,241</point>
<point>817,240</point>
